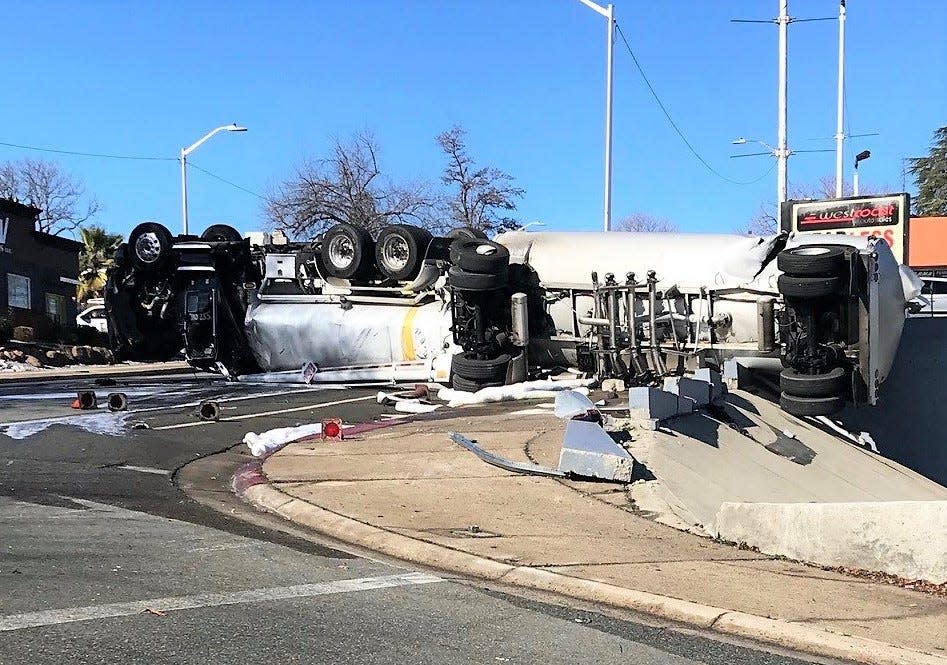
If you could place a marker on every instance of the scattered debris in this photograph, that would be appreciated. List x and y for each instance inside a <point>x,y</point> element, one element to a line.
<point>507,465</point>
<point>517,391</point>
<point>157,613</point>
<point>266,442</point>
<point>139,424</point>
<point>209,410</point>
<point>85,400</point>
<point>117,401</point>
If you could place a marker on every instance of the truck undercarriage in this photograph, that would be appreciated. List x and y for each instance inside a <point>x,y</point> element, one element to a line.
<point>825,312</point>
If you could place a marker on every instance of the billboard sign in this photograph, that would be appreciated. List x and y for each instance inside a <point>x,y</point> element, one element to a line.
<point>880,216</point>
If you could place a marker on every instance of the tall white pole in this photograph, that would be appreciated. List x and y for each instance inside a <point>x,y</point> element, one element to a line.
<point>855,180</point>
<point>782,152</point>
<point>610,18</point>
<point>840,124</point>
<point>184,191</point>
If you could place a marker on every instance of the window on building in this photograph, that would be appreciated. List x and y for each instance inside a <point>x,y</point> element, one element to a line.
<point>18,291</point>
<point>56,307</point>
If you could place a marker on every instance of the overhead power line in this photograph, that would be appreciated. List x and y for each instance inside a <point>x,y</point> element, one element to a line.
<point>77,153</point>
<point>673,124</point>
<point>225,181</point>
<point>89,154</point>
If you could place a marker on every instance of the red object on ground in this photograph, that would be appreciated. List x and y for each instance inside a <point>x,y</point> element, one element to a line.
<point>75,404</point>
<point>332,429</point>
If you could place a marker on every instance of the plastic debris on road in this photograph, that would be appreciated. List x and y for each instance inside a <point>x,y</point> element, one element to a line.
<point>517,391</point>
<point>266,442</point>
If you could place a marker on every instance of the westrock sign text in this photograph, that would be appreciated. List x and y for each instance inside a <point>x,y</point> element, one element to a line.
<point>880,216</point>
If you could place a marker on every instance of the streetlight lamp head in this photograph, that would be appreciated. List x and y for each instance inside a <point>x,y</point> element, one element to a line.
<point>739,141</point>
<point>236,128</point>
<point>863,155</point>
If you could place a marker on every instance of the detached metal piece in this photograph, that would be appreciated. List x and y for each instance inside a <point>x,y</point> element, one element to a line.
<point>117,402</point>
<point>508,465</point>
<point>588,451</point>
<point>85,400</point>
<point>209,410</point>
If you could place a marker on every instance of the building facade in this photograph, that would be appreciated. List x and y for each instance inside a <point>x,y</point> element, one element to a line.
<point>38,271</point>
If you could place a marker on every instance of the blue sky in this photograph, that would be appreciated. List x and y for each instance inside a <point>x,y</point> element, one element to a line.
<point>524,77</point>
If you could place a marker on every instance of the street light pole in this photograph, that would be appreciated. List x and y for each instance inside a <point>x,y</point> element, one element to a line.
<point>860,157</point>
<point>782,151</point>
<point>609,13</point>
<point>233,127</point>
<point>840,124</point>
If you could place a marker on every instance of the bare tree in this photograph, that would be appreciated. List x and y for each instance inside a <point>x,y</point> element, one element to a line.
<point>480,196</point>
<point>60,196</point>
<point>766,219</point>
<point>644,222</point>
<point>347,187</point>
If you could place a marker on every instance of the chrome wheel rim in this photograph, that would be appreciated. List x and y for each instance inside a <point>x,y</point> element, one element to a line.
<point>148,247</point>
<point>395,253</point>
<point>341,251</point>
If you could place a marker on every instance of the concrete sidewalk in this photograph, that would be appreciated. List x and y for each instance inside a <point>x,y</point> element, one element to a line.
<point>87,371</point>
<point>409,492</point>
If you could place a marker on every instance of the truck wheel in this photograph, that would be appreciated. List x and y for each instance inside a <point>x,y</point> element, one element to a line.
<point>808,260</point>
<point>221,233</point>
<point>810,406</point>
<point>828,384</point>
<point>399,250</point>
<point>477,255</point>
<point>464,366</point>
<point>466,232</point>
<point>475,281</point>
<point>471,386</point>
<point>808,287</point>
<point>149,245</point>
<point>347,251</point>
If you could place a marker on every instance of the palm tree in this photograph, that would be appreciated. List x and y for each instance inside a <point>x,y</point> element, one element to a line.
<point>98,246</point>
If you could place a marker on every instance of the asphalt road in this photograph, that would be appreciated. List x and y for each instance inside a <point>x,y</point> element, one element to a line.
<point>104,558</point>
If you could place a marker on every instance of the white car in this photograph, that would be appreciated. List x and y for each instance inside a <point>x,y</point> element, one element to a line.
<point>94,315</point>
<point>933,298</point>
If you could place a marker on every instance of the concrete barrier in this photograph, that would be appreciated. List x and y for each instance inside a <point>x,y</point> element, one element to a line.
<point>904,538</point>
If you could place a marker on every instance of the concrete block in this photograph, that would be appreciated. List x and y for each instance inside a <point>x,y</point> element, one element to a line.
<point>699,391</point>
<point>613,386</point>
<point>652,403</point>
<point>588,451</point>
<point>904,538</point>
<point>718,389</point>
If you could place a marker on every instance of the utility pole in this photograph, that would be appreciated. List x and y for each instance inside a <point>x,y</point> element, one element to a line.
<point>782,151</point>
<point>608,12</point>
<point>840,124</point>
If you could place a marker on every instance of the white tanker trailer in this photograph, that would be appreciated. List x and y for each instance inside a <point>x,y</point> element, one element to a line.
<point>826,313</point>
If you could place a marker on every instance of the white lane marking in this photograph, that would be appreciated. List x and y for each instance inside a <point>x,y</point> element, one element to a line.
<point>268,413</point>
<point>72,614</point>
<point>144,469</point>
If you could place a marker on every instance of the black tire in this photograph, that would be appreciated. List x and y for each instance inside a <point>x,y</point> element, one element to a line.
<point>810,406</point>
<point>478,255</point>
<point>792,286</point>
<point>471,386</point>
<point>466,232</point>
<point>149,245</point>
<point>400,249</point>
<point>829,384</point>
<point>475,369</point>
<point>347,251</point>
<point>221,233</point>
<point>811,260</point>
<point>475,281</point>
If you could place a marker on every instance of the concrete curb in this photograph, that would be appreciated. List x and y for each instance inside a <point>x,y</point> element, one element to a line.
<point>787,634</point>
<point>95,371</point>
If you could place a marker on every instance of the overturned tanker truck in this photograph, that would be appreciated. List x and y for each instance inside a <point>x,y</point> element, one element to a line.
<point>825,313</point>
